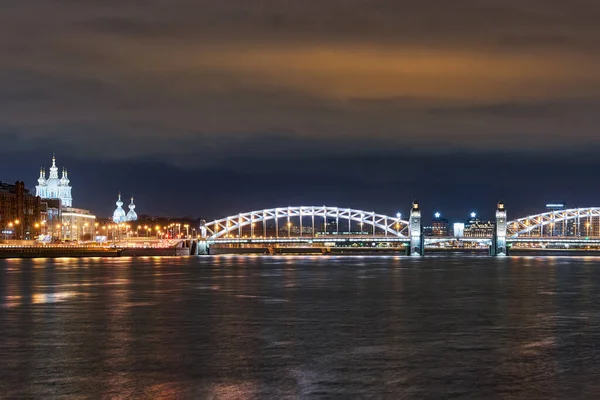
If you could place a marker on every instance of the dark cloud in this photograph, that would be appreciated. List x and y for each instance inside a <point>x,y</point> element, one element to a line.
<point>214,84</point>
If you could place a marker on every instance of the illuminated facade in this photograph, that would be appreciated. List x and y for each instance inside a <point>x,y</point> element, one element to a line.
<point>477,228</point>
<point>20,212</point>
<point>440,226</point>
<point>53,187</point>
<point>119,215</point>
<point>77,224</point>
<point>459,229</point>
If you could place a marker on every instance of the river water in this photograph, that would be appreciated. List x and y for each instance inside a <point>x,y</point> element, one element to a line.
<point>300,327</point>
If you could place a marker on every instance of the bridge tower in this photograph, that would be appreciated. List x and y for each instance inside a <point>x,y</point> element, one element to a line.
<point>498,247</point>
<point>417,240</point>
<point>202,243</point>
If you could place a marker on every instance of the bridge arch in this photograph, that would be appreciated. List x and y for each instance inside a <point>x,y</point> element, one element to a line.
<point>568,222</point>
<point>295,216</point>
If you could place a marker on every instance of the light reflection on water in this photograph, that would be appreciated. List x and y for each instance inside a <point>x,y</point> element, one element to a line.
<point>235,327</point>
<point>56,297</point>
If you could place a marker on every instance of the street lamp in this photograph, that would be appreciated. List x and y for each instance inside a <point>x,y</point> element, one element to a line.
<point>289,229</point>
<point>187,230</point>
<point>17,222</point>
<point>10,225</point>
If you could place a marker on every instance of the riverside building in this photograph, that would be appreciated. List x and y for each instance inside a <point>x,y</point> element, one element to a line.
<point>62,220</point>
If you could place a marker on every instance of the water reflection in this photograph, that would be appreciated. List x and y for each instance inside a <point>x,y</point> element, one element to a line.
<point>43,298</point>
<point>234,327</point>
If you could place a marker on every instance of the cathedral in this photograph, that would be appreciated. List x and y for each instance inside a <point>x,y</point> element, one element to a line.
<point>62,221</point>
<point>119,215</point>
<point>53,187</point>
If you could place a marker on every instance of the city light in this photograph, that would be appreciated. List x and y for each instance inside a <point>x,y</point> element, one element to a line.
<point>437,215</point>
<point>473,214</point>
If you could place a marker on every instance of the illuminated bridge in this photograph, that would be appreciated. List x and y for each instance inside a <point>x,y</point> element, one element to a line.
<point>574,222</point>
<point>255,223</point>
<point>324,226</point>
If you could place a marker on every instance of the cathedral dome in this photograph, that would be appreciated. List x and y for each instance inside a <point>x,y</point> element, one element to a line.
<point>42,178</point>
<point>132,215</point>
<point>119,214</point>
<point>52,185</point>
<point>64,181</point>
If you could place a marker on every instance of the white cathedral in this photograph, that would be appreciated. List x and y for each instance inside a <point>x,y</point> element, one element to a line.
<point>72,223</point>
<point>119,215</point>
<point>53,187</point>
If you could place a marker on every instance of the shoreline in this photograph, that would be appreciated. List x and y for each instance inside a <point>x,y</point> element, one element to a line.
<point>60,252</point>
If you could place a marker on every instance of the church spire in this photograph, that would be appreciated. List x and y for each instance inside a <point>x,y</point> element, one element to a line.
<point>42,178</point>
<point>53,168</point>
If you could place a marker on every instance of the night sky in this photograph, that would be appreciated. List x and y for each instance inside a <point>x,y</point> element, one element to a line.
<point>208,108</point>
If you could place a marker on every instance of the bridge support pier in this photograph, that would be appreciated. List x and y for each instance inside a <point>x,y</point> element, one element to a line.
<point>498,247</point>
<point>417,240</point>
<point>202,248</point>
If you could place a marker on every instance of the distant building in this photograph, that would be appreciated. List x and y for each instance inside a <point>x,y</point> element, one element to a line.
<point>440,226</point>
<point>479,229</point>
<point>60,221</point>
<point>428,230</point>
<point>295,230</point>
<point>77,224</point>
<point>556,206</point>
<point>20,212</point>
<point>53,187</point>
<point>459,229</point>
<point>566,228</point>
<point>51,218</point>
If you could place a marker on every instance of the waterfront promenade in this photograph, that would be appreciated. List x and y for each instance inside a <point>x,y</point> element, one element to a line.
<point>90,250</point>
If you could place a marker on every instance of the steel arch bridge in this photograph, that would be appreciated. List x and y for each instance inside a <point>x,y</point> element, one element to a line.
<point>562,223</point>
<point>234,225</point>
